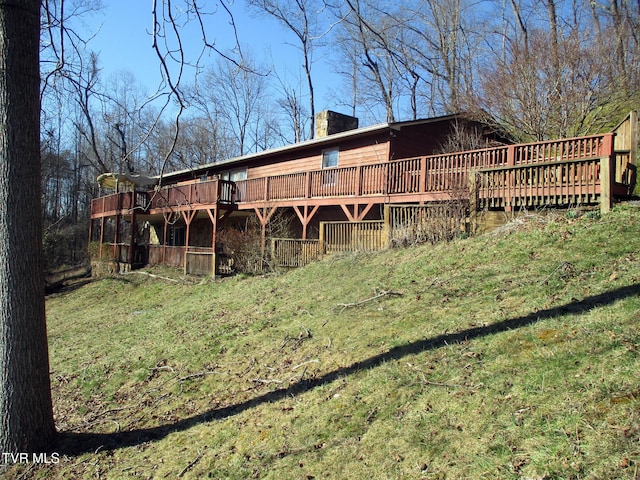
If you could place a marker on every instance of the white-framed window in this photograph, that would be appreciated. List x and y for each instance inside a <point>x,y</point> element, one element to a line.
<point>330,159</point>
<point>234,175</point>
<point>237,175</point>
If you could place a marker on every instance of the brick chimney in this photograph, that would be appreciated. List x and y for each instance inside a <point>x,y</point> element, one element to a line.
<point>329,122</point>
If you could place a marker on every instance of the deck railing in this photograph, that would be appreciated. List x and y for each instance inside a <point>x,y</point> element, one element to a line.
<point>564,169</point>
<point>568,182</point>
<point>444,173</point>
<point>198,193</point>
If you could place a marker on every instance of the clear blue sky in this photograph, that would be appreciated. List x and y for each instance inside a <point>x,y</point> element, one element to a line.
<point>124,42</point>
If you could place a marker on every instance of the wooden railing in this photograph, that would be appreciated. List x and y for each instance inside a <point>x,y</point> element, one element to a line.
<point>368,236</point>
<point>208,192</point>
<point>569,182</point>
<point>166,255</point>
<point>445,173</point>
<point>563,169</point>
<point>290,252</point>
<point>119,201</point>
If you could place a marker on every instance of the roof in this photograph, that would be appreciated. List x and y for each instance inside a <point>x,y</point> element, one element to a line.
<point>316,142</point>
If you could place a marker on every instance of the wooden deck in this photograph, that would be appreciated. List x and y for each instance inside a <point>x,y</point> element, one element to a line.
<point>561,172</point>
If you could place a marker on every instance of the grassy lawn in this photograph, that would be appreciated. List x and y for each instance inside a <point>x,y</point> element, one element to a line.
<point>510,355</point>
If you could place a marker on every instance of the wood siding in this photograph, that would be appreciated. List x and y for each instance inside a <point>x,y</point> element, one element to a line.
<point>352,153</point>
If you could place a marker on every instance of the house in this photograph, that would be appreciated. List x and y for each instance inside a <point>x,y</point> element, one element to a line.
<point>353,175</point>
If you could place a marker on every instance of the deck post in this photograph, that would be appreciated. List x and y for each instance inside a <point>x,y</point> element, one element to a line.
<point>188,217</point>
<point>634,140</point>
<point>213,216</point>
<point>386,213</point>
<point>321,239</point>
<point>511,155</point>
<point>607,176</point>
<point>164,240</point>
<point>116,236</point>
<point>473,201</point>
<point>101,238</point>
<point>133,230</point>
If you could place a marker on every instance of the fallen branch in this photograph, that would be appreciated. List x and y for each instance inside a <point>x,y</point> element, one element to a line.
<point>564,266</point>
<point>429,382</point>
<point>266,381</point>
<point>190,466</point>
<point>197,375</point>
<point>380,294</point>
<point>315,360</point>
<point>152,275</point>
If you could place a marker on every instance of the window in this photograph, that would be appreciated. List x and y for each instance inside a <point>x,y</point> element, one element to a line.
<point>234,175</point>
<point>237,175</point>
<point>330,158</point>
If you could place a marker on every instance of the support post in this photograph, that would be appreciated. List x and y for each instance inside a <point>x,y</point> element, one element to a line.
<point>473,202</point>
<point>188,217</point>
<point>116,236</point>
<point>101,238</point>
<point>134,228</point>
<point>321,239</point>
<point>387,222</point>
<point>164,240</point>
<point>606,184</point>
<point>213,216</point>
<point>305,217</point>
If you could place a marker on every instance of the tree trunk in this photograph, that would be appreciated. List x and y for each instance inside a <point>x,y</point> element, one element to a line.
<point>26,417</point>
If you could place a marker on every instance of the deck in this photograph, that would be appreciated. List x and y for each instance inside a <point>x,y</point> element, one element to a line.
<point>561,172</point>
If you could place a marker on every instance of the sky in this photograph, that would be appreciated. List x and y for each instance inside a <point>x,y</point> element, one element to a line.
<point>124,42</point>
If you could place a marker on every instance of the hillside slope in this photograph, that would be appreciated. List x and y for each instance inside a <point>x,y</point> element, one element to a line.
<point>511,355</point>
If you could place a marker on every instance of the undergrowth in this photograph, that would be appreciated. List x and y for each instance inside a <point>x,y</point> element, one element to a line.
<point>510,355</point>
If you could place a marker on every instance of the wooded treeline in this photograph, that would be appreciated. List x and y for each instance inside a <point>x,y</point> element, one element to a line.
<point>540,69</point>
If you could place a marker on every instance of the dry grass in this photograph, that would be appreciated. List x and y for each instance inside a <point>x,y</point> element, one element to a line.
<point>512,355</point>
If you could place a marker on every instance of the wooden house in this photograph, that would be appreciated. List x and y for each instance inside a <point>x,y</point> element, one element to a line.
<point>353,175</point>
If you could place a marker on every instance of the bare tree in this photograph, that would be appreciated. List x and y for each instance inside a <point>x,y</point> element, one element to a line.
<point>236,94</point>
<point>301,17</point>
<point>26,415</point>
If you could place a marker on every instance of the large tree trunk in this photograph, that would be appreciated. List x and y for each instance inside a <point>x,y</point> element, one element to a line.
<point>26,417</point>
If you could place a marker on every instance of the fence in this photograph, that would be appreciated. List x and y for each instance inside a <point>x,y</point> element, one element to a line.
<point>289,252</point>
<point>367,236</point>
<point>412,224</point>
<point>199,261</point>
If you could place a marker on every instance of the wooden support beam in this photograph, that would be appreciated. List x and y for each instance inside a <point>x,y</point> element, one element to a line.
<point>264,217</point>
<point>188,218</point>
<point>607,166</point>
<point>364,211</point>
<point>101,237</point>
<point>357,215</point>
<point>305,217</point>
<point>116,236</point>
<point>134,229</point>
<point>347,212</point>
<point>213,216</point>
<point>164,239</point>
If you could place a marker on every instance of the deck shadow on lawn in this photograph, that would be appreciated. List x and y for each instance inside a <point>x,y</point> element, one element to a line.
<point>72,444</point>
